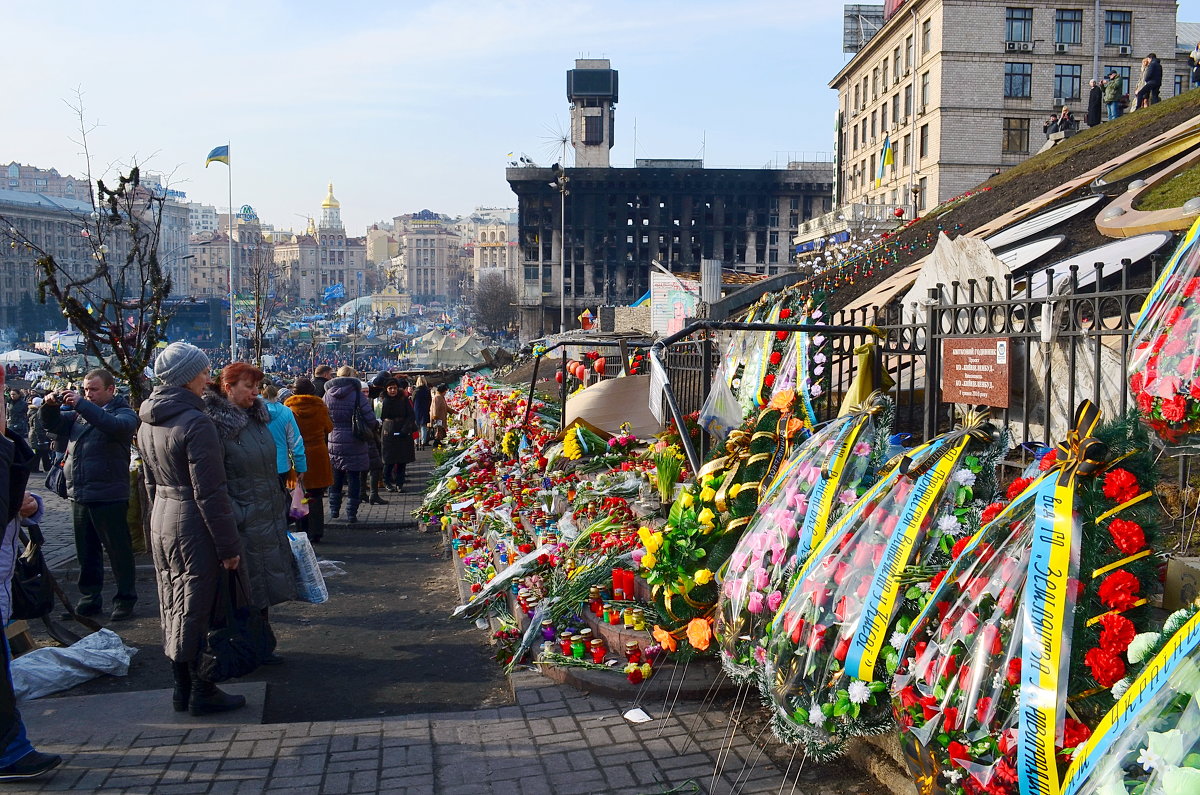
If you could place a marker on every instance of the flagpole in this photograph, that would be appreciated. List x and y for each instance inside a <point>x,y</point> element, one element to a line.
<point>232,226</point>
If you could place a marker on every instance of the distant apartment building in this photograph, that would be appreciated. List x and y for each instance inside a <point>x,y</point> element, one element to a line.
<point>957,88</point>
<point>48,182</point>
<point>202,217</point>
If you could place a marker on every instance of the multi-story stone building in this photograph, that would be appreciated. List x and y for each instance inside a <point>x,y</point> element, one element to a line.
<point>957,88</point>
<point>322,257</point>
<point>208,274</point>
<point>491,243</point>
<point>430,257</point>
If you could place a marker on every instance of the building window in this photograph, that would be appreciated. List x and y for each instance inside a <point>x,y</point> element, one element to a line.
<point>1123,71</point>
<point>1118,28</point>
<point>908,55</point>
<point>904,150</point>
<point>1067,80</point>
<point>924,194</point>
<point>1018,80</point>
<point>857,103</point>
<point>1068,26</point>
<point>874,83</point>
<point>908,100</point>
<point>884,72</point>
<point>1016,137</point>
<point>926,36</point>
<point>896,59</point>
<point>854,138</point>
<point>1018,24</point>
<point>923,141</point>
<point>883,117</point>
<point>1181,84</point>
<point>874,128</point>
<point>925,90</point>
<point>593,130</point>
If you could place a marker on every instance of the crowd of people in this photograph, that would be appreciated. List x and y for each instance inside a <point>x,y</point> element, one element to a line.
<point>224,464</point>
<point>1108,96</point>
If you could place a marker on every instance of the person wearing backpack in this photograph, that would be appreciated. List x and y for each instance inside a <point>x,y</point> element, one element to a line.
<point>353,424</point>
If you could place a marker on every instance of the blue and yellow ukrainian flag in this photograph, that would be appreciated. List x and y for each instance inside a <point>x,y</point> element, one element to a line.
<point>218,155</point>
<point>885,159</point>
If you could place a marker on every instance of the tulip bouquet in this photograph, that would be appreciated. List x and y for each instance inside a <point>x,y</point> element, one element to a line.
<point>831,648</point>
<point>1040,609</point>
<point>827,473</point>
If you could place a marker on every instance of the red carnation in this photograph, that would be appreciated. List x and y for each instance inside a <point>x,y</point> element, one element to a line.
<point>959,546</point>
<point>776,357</point>
<point>784,314</point>
<point>1128,536</point>
<point>1075,734</point>
<point>1121,486</point>
<point>1135,382</point>
<point>983,709</point>
<point>1174,346</point>
<point>1048,460</point>
<point>1174,408</point>
<point>1012,674</point>
<point>1119,590</point>
<point>1107,668</point>
<point>781,335</point>
<point>991,512</point>
<point>769,380</point>
<point>1016,487</point>
<point>956,750</point>
<point>1116,633</point>
<point>1146,402</point>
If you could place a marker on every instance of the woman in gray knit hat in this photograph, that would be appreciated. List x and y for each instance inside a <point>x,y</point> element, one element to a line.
<point>193,534</point>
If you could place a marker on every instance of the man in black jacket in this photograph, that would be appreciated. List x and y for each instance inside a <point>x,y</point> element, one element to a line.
<point>101,426</point>
<point>1152,78</point>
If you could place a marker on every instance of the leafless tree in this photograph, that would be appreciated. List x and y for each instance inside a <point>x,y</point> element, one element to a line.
<point>494,302</point>
<point>117,300</point>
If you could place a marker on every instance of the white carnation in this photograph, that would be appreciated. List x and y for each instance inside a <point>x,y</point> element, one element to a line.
<point>859,692</point>
<point>1120,687</point>
<point>815,716</point>
<point>1141,645</point>
<point>898,640</point>
<point>964,476</point>
<point>948,523</point>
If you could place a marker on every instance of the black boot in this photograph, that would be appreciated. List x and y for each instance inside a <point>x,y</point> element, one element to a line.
<point>183,686</point>
<point>207,698</point>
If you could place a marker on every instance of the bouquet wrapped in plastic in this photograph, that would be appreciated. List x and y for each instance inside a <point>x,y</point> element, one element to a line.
<point>707,519</point>
<point>1164,367</point>
<point>1150,741</point>
<point>832,645</point>
<point>825,475</point>
<point>1036,613</point>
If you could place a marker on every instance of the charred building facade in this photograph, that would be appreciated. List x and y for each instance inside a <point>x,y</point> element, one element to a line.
<point>617,220</point>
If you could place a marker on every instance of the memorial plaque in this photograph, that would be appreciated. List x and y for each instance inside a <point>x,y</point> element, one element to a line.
<point>976,371</point>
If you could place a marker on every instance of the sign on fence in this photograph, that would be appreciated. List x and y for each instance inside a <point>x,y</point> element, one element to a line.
<point>976,371</point>
<point>672,302</point>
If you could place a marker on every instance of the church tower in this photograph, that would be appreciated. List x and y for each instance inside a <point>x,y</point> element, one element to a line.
<point>592,92</point>
<point>331,212</point>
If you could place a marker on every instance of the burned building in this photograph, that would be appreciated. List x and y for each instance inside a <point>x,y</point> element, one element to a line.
<point>609,224</point>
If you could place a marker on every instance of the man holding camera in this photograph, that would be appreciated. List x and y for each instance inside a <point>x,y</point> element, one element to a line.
<point>101,426</point>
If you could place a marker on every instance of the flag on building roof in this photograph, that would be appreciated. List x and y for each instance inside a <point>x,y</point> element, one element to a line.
<point>334,291</point>
<point>885,159</point>
<point>218,155</point>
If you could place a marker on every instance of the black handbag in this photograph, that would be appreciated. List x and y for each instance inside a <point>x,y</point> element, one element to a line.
<point>32,583</point>
<point>357,426</point>
<point>56,478</point>
<point>239,638</point>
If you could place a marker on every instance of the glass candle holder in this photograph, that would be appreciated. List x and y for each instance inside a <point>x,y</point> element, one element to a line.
<point>594,601</point>
<point>614,615</point>
<point>577,647</point>
<point>618,595</point>
<point>639,619</point>
<point>627,618</point>
<point>564,644</point>
<point>596,647</point>
<point>633,652</point>
<point>547,630</point>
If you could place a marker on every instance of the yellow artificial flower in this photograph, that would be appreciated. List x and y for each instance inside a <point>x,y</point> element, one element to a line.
<point>707,494</point>
<point>706,517</point>
<point>646,670</point>
<point>734,489</point>
<point>650,540</point>
<point>686,499</point>
<point>703,577</point>
<point>648,560</point>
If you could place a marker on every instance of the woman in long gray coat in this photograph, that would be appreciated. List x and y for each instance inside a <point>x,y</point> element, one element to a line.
<point>192,530</point>
<point>259,503</point>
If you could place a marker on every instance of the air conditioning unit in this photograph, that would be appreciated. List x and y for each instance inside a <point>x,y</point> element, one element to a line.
<point>1060,48</point>
<point>1011,45</point>
<point>1025,46</point>
<point>1060,101</point>
<point>1125,49</point>
<point>920,110</point>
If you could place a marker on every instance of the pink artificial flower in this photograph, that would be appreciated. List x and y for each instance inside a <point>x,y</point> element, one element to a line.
<point>847,497</point>
<point>755,604</point>
<point>774,600</point>
<point>761,579</point>
<point>861,448</point>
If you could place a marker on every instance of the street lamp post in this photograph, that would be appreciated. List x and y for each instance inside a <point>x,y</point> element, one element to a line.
<point>560,184</point>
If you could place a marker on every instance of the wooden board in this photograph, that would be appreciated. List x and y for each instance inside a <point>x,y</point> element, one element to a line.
<point>609,403</point>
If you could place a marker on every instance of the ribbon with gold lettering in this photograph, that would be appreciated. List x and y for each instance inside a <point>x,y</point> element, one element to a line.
<point>1048,602</point>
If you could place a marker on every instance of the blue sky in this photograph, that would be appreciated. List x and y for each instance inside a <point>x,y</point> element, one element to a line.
<point>408,105</point>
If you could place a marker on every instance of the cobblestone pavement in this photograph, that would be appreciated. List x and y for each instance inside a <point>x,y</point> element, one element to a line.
<point>554,739</point>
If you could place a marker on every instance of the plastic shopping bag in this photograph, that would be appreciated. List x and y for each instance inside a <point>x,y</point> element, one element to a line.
<point>299,505</point>
<point>310,585</point>
<point>721,412</point>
